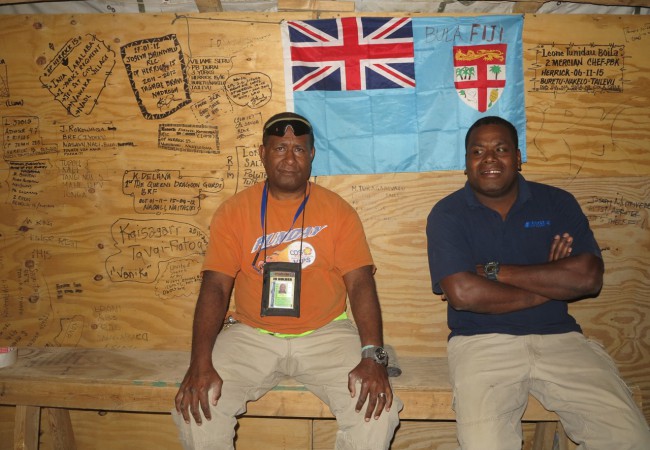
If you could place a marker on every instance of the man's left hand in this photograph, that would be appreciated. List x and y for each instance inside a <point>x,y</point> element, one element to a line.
<point>375,387</point>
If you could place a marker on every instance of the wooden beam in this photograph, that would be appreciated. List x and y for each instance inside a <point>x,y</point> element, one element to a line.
<point>209,5</point>
<point>522,3</point>
<point>26,427</point>
<point>522,6</point>
<point>17,2</point>
<point>316,5</point>
<point>527,7</point>
<point>202,5</point>
<point>60,428</point>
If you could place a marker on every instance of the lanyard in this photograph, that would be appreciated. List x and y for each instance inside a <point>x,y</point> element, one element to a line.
<point>263,207</point>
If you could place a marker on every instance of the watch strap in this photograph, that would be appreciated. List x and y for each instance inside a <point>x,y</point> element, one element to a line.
<point>376,353</point>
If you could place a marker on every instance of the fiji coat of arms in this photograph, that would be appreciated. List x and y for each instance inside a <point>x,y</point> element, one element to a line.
<point>480,74</point>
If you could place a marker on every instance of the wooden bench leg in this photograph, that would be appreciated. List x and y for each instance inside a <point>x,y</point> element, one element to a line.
<point>60,429</point>
<point>26,427</point>
<point>564,443</point>
<point>551,436</point>
<point>544,435</point>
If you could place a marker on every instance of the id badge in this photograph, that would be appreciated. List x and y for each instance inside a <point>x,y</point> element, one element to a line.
<point>281,289</point>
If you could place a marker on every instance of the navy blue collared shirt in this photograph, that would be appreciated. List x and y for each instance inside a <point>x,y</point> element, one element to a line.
<point>462,232</point>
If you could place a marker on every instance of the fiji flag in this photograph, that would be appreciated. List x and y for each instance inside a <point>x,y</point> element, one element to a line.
<point>398,94</point>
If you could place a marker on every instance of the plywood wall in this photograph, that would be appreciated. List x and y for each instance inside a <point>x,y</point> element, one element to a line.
<point>122,134</point>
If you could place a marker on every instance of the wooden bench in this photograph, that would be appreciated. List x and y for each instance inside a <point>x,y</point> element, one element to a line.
<point>53,380</point>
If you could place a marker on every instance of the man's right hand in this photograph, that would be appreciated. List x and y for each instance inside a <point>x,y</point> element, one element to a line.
<point>201,381</point>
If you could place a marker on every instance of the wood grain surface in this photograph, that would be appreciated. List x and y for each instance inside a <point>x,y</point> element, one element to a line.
<point>106,195</point>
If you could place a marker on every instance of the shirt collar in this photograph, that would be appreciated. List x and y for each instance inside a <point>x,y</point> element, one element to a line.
<point>523,194</point>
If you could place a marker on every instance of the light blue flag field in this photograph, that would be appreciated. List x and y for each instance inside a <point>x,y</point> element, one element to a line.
<point>398,94</point>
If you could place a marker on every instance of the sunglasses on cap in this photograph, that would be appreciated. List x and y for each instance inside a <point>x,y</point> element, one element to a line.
<point>278,127</point>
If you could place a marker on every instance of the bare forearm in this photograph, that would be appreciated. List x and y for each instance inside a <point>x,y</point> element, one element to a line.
<point>210,312</point>
<point>470,292</point>
<point>368,320</point>
<point>207,324</point>
<point>564,279</point>
<point>365,305</point>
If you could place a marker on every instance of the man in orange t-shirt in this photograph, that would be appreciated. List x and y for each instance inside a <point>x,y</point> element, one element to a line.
<point>293,251</point>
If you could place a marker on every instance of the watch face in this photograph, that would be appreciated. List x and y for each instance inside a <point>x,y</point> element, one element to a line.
<point>491,270</point>
<point>381,355</point>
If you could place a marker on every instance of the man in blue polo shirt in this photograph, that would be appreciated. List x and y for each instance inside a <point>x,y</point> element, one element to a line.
<point>508,254</point>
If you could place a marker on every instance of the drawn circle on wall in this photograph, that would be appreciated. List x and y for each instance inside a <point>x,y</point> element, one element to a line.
<point>249,89</point>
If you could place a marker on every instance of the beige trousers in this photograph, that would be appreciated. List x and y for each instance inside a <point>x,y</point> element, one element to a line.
<point>251,363</point>
<point>493,374</point>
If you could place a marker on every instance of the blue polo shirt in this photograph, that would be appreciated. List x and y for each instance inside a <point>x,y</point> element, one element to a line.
<point>461,233</point>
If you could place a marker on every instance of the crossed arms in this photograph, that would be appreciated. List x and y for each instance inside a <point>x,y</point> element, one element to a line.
<point>562,277</point>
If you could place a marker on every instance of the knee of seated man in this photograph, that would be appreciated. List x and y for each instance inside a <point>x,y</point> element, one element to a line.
<point>635,435</point>
<point>490,435</point>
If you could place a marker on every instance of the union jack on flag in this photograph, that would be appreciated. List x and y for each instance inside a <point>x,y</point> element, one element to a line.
<point>351,53</point>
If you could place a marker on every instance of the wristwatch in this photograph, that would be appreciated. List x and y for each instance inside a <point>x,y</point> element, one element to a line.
<point>378,354</point>
<point>491,270</point>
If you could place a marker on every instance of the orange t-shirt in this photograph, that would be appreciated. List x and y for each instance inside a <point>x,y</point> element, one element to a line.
<point>333,244</point>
